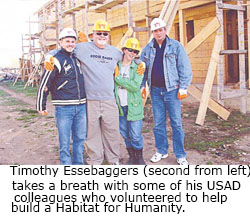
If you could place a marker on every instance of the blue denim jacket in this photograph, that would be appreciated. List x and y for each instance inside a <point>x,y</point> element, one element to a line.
<point>176,64</point>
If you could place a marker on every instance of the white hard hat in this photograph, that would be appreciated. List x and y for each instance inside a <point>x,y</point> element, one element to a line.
<point>67,32</point>
<point>157,23</point>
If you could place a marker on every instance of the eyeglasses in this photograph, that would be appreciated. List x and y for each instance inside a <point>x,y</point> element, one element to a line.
<point>102,33</point>
<point>132,50</point>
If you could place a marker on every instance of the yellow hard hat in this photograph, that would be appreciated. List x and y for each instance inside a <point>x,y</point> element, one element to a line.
<point>132,43</point>
<point>101,25</point>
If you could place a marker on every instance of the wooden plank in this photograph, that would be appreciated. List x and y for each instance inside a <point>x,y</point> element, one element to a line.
<point>170,14</point>
<point>231,7</point>
<point>233,94</point>
<point>221,65</point>
<point>242,69</point>
<point>248,41</point>
<point>182,28</point>
<point>212,104</point>
<point>192,4</point>
<point>209,29</point>
<point>209,81</point>
<point>109,4</point>
<point>223,52</point>
<point>127,35</point>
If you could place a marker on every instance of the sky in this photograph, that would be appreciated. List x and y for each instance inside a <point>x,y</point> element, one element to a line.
<point>14,15</point>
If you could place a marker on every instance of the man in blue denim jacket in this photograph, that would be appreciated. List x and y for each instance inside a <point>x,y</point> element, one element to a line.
<point>168,74</point>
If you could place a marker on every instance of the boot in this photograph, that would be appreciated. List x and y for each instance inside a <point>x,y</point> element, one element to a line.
<point>131,153</point>
<point>139,157</point>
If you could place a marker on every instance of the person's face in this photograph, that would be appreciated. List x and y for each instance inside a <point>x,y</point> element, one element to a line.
<point>68,44</point>
<point>130,54</point>
<point>101,38</point>
<point>160,34</point>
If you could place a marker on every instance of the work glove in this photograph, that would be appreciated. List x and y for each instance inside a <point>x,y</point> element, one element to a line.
<point>141,68</point>
<point>143,93</point>
<point>44,112</point>
<point>82,37</point>
<point>182,94</point>
<point>49,63</point>
<point>117,71</point>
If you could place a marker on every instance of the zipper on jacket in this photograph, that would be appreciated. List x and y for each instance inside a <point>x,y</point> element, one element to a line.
<point>62,85</point>
<point>78,88</point>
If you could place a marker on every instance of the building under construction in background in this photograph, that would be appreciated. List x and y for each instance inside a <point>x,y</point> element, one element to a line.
<point>214,33</point>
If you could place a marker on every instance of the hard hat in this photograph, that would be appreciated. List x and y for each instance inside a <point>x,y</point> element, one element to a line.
<point>67,32</point>
<point>101,25</point>
<point>132,43</point>
<point>157,23</point>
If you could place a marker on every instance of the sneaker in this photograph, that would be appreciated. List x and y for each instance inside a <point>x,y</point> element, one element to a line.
<point>157,157</point>
<point>182,161</point>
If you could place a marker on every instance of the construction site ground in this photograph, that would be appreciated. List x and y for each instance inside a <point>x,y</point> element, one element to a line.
<point>29,139</point>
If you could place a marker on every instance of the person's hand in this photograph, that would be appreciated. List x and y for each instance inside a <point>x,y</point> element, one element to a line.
<point>44,113</point>
<point>117,71</point>
<point>49,63</point>
<point>182,94</point>
<point>82,37</point>
<point>143,93</point>
<point>141,68</point>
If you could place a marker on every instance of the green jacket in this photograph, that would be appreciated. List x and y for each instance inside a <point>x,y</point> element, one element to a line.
<point>132,85</point>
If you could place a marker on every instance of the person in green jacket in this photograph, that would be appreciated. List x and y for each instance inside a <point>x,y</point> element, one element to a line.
<point>129,101</point>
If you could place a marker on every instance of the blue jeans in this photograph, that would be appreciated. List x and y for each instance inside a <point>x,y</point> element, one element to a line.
<point>163,101</point>
<point>131,130</point>
<point>71,119</point>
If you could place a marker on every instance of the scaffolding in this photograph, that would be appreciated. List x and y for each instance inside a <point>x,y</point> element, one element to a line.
<point>59,9</point>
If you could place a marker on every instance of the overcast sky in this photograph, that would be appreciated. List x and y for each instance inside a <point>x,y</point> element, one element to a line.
<point>13,17</point>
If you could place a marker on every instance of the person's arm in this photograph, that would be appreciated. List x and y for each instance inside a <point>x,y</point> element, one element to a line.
<point>185,72</point>
<point>44,88</point>
<point>145,76</point>
<point>184,68</point>
<point>131,85</point>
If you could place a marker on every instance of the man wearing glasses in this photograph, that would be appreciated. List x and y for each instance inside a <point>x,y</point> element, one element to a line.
<point>98,61</point>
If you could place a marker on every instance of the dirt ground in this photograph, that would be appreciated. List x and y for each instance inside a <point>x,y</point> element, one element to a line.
<point>30,139</point>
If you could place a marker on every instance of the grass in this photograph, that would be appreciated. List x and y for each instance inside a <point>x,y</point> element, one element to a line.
<point>19,88</point>
<point>218,134</point>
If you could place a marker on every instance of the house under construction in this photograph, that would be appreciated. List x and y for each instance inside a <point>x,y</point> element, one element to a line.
<point>214,33</point>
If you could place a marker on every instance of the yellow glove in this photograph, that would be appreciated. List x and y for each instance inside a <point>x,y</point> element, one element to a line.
<point>143,93</point>
<point>117,71</point>
<point>141,68</point>
<point>82,38</point>
<point>44,113</point>
<point>182,94</point>
<point>49,63</point>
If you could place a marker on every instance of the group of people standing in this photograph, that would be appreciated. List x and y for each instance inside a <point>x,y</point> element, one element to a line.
<point>97,92</point>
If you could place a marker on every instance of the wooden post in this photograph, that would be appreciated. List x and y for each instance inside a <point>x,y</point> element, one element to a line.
<point>221,65</point>
<point>209,29</point>
<point>248,40</point>
<point>182,28</point>
<point>242,70</point>
<point>73,4</point>
<point>209,81</point>
<point>86,19</point>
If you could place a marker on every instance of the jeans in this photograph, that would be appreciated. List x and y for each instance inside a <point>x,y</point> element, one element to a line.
<point>71,119</point>
<point>163,101</point>
<point>131,130</point>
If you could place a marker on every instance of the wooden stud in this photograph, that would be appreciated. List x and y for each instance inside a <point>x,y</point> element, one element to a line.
<point>248,31</point>
<point>209,81</point>
<point>182,28</point>
<point>241,46</point>
<point>221,65</point>
<point>212,105</point>
<point>209,29</point>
